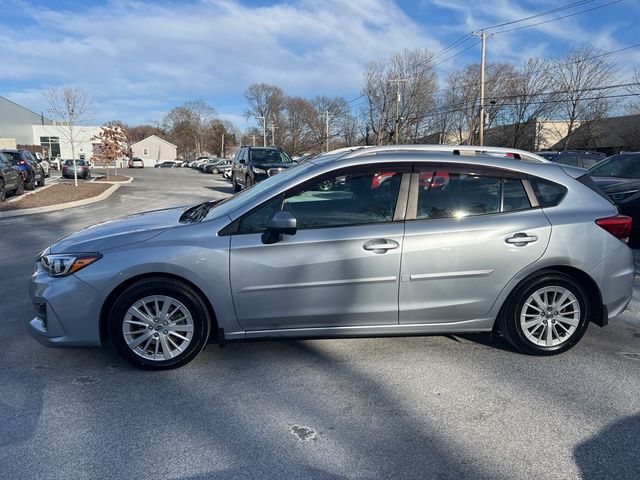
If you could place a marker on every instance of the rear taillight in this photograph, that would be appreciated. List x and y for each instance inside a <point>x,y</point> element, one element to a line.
<point>22,162</point>
<point>618,226</point>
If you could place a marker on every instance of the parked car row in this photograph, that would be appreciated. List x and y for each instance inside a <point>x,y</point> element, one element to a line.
<point>30,169</point>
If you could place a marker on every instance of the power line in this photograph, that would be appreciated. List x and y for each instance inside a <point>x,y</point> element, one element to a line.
<point>558,18</point>
<point>537,15</point>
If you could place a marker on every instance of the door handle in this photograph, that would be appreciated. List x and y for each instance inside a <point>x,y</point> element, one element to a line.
<point>521,239</point>
<point>380,245</point>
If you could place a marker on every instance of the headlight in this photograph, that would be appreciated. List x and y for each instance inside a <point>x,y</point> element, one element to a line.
<point>258,170</point>
<point>61,265</point>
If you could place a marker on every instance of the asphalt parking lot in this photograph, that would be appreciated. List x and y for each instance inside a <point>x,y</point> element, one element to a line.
<point>418,407</point>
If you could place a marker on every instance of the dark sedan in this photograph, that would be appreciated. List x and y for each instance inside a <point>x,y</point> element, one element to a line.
<point>619,177</point>
<point>81,167</point>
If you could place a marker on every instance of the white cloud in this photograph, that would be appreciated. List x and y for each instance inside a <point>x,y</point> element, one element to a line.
<point>137,58</point>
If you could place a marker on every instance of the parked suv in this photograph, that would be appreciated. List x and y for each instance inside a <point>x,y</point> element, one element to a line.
<point>10,179</point>
<point>575,158</point>
<point>253,164</point>
<point>31,171</point>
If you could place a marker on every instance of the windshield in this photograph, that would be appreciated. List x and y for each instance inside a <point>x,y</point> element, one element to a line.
<point>622,166</point>
<point>268,156</point>
<point>258,190</point>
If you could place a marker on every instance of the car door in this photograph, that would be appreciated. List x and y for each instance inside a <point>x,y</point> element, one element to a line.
<point>341,267</point>
<point>468,232</point>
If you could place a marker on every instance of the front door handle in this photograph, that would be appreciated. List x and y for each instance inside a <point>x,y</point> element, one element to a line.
<point>380,245</point>
<point>521,239</point>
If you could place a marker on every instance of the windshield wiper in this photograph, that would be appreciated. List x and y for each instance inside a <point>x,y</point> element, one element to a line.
<point>198,212</point>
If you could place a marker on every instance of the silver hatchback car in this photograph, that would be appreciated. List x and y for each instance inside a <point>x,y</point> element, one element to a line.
<point>398,240</point>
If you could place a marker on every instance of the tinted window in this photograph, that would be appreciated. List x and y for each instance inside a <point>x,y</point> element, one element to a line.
<point>625,166</point>
<point>447,194</point>
<point>589,161</point>
<point>268,156</point>
<point>573,160</point>
<point>14,157</point>
<point>549,194</point>
<point>344,199</point>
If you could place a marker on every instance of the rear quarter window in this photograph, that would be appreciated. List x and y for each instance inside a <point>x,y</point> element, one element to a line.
<point>549,194</point>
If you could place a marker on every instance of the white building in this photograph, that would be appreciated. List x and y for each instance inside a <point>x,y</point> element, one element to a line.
<point>154,150</point>
<point>53,138</point>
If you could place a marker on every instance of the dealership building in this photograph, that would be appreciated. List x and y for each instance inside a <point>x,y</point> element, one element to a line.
<point>20,127</point>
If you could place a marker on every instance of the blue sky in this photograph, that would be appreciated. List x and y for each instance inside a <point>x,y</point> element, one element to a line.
<point>138,59</point>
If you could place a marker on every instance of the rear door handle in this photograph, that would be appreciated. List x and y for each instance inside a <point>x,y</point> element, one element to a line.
<point>521,239</point>
<point>380,245</point>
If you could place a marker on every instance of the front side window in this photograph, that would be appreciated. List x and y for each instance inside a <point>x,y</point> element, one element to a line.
<point>457,194</point>
<point>347,198</point>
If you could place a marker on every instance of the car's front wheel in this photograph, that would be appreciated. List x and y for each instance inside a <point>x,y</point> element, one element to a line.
<point>3,192</point>
<point>545,315</point>
<point>30,183</point>
<point>236,185</point>
<point>159,324</point>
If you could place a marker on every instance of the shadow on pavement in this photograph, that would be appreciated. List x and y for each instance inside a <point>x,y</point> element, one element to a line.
<point>613,453</point>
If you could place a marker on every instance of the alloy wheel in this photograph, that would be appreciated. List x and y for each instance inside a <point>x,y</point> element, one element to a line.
<point>158,328</point>
<point>550,316</point>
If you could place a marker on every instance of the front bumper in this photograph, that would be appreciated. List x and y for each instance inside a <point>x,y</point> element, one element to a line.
<point>68,311</point>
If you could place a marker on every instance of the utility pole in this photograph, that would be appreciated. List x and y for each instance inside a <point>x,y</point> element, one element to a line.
<point>326,114</point>
<point>223,155</point>
<point>397,81</point>
<point>483,35</point>
<point>273,134</point>
<point>253,139</point>
<point>264,131</point>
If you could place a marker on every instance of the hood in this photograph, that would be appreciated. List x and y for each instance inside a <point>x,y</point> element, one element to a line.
<point>616,184</point>
<point>119,232</point>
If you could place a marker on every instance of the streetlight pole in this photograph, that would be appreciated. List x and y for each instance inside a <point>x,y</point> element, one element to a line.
<point>398,100</point>
<point>326,113</point>
<point>264,130</point>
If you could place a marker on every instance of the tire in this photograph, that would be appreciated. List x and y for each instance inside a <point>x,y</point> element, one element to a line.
<point>20,188</point>
<point>215,171</point>
<point>3,192</point>
<point>154,349</point>
<point>236,186</point>
<point>247,182</point>
<point>42,182</point>
<point>30,184</point>
<point>540,316</point>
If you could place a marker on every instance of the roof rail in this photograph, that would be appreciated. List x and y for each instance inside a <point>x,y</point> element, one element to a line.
<point>462,150</point>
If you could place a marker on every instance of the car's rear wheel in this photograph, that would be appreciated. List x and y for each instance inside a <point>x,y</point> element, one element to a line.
<point>3,192</point>
<point>159,324</point>
<point>42,181</point>
<point>236,185</point>
<point>30,184</point>
<point>545,315</point>
<point>20,189</point>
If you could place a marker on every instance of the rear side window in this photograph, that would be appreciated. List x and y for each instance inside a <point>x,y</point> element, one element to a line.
<point>549,194</point>
<point>573,160</point>
<point>456,194</point>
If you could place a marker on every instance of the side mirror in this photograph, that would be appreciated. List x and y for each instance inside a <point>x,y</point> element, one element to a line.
<point>280,223</point>
<point>241,162</point>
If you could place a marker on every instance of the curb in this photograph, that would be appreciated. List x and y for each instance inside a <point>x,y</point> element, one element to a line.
<point>61,206</point>
<point>114,183</point>
<point>28,192</point>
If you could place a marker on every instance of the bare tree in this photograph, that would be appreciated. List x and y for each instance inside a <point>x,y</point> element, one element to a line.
<point>69,106</point>
<point>527,100</point>
<point>299,115</point>
<point>634,105</point>
<point>582,80</point>
<point>399,91</point>
<point>267,103</point>
<point>190,125</point>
